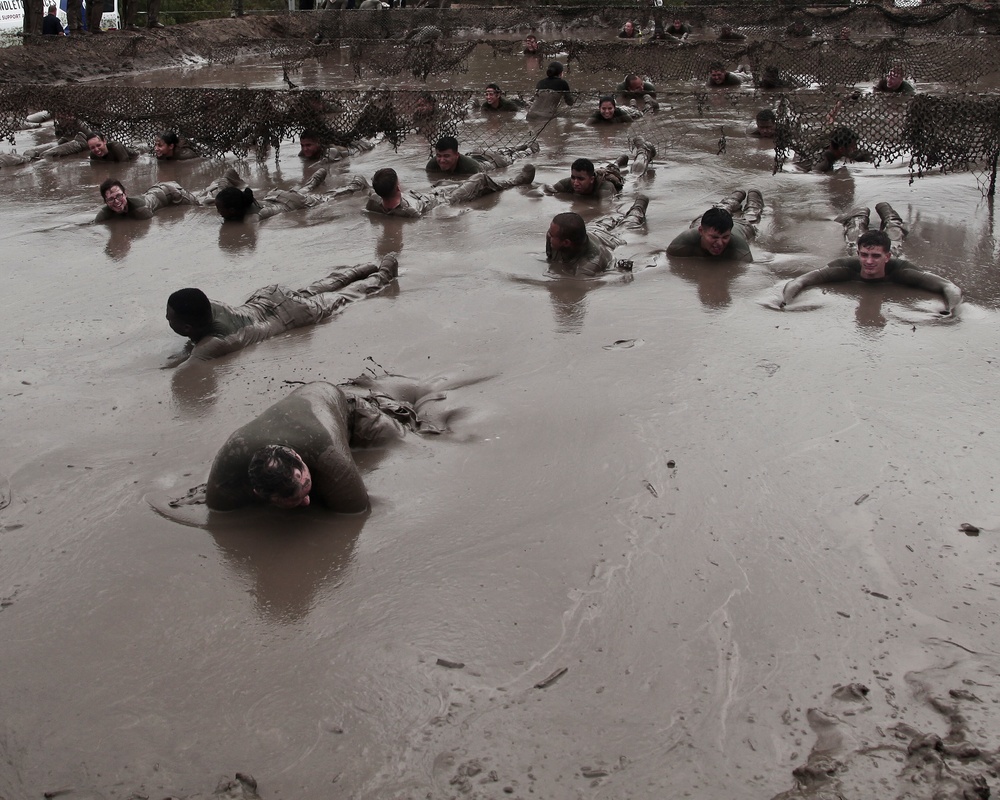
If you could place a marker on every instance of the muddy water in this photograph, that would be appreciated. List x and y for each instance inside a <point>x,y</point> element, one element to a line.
<point>710,513</point>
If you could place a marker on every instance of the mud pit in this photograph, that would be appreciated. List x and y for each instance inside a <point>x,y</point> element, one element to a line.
<point>718,518</point>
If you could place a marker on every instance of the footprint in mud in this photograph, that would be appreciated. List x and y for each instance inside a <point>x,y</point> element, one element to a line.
<point>624,344</point>
<point>847,760</point>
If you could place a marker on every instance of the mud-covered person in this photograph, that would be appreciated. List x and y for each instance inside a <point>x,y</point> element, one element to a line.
<point>894,82</point>
<point>386,195</point>
<point>103,149</point>
<point>236,202</point>
<point>118,205</point>
<point>724,231</point>
<point>550,91</point>
<point>843,145</point>
<point>587,181</point>
<point>635,89</point>
<point>610,113</point>
<point>298,452</point>
<point>531,45</point>
<point>495,100</point>
<point>447,160</point>
<point>171,147</point>
<point>214,329</point>
<point>719,77</point>
<point>764,125</point>
<point>573,250</point>
<point>875,263</point>
<point>629,30</point>
<point>678,29</point>
<point>313,148</point>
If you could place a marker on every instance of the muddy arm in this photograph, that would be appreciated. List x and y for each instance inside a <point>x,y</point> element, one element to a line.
<point>933,283</point>
<point>817,276</point>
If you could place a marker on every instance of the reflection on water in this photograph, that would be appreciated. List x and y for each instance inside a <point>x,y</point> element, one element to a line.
<point>285,563</point>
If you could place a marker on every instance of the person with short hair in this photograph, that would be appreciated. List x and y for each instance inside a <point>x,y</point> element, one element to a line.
<point>171,147</point>
<point>893,82</point>
<point>843,144</point>
<point>312,147</point>
<point>550,90</point>
<point>724,231</point>
<point>117,203</point>
<point>727,34</point>
<point>629,30</point>
<point>610,113</point>
<point>214,328</point>
<point>448,161</point>
<point>51,26</point>
<point>236,202</point>
<point>572,249</point>
<point>531,45</point>
<point>798,29</point>
<point>875,262</point>
<point>386,196</point>
<point>298,451</point>
<point>719,76</point>
<point>770,78</point>
<point>678,29</point>
<point>495,100</point>
<point>764,124</point>
<point>587,181</point>
<point>635,89</point>
<point>102,149</point>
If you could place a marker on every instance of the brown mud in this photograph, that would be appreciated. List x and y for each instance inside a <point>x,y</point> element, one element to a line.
<point>677,536</point>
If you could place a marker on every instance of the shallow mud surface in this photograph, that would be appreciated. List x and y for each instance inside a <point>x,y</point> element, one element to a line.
<point>681,543</point>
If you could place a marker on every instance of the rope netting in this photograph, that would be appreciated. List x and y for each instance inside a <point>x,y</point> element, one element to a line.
<point>752,18</point>
<point>955,132</point>
<point>956,60</point>
<point>241,121</point>
<point>960,132</point>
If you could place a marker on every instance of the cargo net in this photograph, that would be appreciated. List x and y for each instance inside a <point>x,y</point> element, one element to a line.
<point>241,121</point>
<point>955,60</point>
<point>758,18</point>
<point>954,133</point>
<point>418,59</point>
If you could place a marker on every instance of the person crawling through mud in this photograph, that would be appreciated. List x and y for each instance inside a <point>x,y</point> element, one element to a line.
<point>215,329</point>
<point>724,231</point>
<point>118,205</point>
<point>875,263</point>
<point>571,249</point>
<point>298,452</point>
<point>236,202</point>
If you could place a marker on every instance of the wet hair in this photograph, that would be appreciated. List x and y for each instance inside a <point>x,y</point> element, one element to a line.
<point>169,137</point>
<point>875,239</point>
<point>447,143</point>
<point>384,182</point>
<point>606,98</point>
<point>583,165</point>
<point>554,70</point>
<point>571,226</point>
<point>630,77</point>
<point>843,137</point>
<point>309,133</point>
<point>765,115</point>
<point>96,135</point>
<point>272,471</point>
<point>427,97</point>
<point>191,306</point>
<point>495,87</point>
<point>235,200</point>
<point>718,219</point>
<point>108,184</point>
<point>715,66</point>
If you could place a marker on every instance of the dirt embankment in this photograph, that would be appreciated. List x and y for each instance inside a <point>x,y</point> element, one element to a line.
<point>58,59</point>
